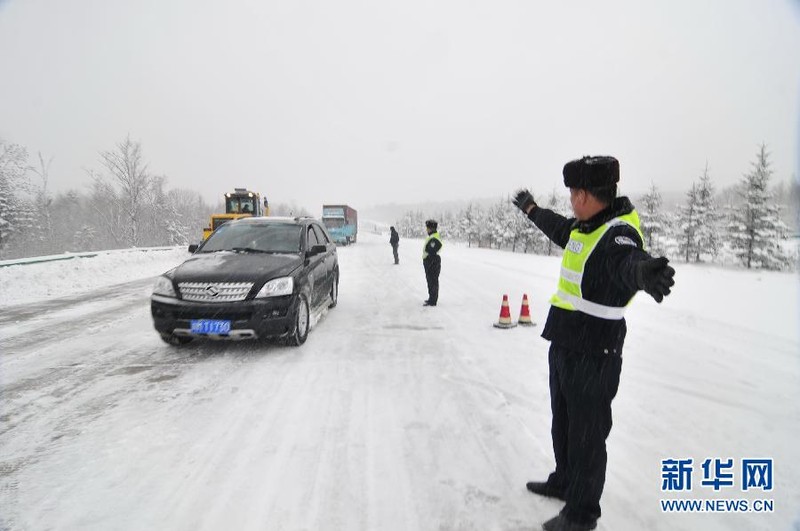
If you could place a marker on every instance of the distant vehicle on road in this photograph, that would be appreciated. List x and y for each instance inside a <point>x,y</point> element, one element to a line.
<point>240,203</point>
<point>341,222</point>
<point>252,278</point>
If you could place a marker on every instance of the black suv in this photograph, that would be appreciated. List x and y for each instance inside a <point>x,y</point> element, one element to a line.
<point>252,278</point>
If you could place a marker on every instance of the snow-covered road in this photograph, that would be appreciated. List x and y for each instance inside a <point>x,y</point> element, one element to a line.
<point>391,416</point>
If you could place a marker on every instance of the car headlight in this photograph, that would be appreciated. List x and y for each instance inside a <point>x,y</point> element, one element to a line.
<point>164,287</point>
<point>277,287</point>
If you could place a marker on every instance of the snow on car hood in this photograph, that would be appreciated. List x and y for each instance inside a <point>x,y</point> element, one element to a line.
<point>229,266</point>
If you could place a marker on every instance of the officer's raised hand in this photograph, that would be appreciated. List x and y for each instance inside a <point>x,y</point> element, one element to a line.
<point>654,276</point>
<point>524,200</point>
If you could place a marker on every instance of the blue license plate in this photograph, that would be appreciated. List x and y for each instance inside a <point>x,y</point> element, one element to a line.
<point>210,326</point>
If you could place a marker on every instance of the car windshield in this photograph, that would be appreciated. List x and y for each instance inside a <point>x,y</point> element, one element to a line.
<point>255,237</point>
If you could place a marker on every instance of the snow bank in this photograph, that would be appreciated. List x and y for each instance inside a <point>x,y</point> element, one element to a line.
<point>26,283</point>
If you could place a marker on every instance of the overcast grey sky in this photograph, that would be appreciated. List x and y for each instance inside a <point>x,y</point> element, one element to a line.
<point>369,102</point>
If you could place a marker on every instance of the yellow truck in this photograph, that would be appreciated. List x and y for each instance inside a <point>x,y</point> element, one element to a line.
<point>241,203</point>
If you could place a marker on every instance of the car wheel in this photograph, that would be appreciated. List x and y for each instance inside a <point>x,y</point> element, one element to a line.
<point>302,322</point>
<point>176,341</point>
<point>334,294</point>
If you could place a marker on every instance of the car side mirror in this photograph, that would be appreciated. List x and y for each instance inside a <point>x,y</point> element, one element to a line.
<point>193,247</point>
<point>317,249</point>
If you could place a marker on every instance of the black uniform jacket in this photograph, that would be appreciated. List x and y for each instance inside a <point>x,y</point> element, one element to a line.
<point>432,248</point>
<point>394,239</point>
<point>609,278</point>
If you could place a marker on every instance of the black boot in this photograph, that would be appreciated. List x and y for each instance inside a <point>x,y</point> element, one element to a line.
<point>545,489</point>
<point>561,523</point>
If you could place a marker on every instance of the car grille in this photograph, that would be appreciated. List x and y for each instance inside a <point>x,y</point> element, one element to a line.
<point>214,291</point>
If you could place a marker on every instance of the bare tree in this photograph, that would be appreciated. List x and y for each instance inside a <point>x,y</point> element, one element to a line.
<point>107,205</point>
<point>129,171</point>
<point>43,199</point>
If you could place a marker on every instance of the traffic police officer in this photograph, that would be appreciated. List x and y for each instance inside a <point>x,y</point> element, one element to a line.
<point>431,261</point>
<point>603,266</point>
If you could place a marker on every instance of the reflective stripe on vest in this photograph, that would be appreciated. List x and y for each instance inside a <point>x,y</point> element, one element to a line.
<point>576,254</point>
<point>434,236</point>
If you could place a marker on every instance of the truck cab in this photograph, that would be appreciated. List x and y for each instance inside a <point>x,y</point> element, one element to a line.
<point>241,203</point>
<point>341,222</point>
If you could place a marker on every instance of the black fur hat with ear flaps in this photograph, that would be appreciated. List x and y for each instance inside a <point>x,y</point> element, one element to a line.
<point>591,172</point>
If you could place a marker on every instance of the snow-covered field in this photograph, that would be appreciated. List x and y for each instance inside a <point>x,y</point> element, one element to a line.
<point>391,416</point>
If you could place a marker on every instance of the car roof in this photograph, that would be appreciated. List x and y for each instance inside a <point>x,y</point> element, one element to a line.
<point>277,219</point>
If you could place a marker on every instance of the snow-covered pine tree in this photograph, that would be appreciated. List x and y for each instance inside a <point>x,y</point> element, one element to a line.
<point>411,225</point>
<point>500,224</point>
<point>519,225</point>
<point>530,235</point>
<point>707,236</point>
<point>469,223</point>
<point>687,226</point>
<point>755,227</point>
<point>485,236</point>
<point>403,225</point>
<point>653,221</point>
<point>476,227</point>
<point>448,228</point>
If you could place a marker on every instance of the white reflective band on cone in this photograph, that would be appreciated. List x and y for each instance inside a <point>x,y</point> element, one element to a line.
<point>614,313</point>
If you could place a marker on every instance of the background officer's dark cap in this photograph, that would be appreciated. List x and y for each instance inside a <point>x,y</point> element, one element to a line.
<point>591,172</point>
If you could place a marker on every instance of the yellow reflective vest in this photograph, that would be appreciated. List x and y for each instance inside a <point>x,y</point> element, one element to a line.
<point>433,236</point>
<point>577,252</point>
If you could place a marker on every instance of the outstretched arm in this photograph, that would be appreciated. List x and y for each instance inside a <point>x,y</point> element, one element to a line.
<point>553,225</point>
<point>630,266</point>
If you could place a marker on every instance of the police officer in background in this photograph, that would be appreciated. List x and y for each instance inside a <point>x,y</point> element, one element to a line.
<point>603,266</point>
<point>394,241</point>
<point>431,261</point>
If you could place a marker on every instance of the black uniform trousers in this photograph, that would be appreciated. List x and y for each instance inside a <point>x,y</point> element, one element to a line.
<point>396,256</point>
<point>433,266</point>
<point>582,387</point>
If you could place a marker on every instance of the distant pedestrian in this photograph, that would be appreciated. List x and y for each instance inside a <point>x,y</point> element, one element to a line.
<point>431,261</point>
<point>394,241</point>
<point>603,266</point>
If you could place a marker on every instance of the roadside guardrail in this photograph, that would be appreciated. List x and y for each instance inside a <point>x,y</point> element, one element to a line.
<point>70,256</point>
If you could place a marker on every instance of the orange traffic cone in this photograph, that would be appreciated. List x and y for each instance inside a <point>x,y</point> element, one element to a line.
<point>525,313</point>
<point>505,316</point>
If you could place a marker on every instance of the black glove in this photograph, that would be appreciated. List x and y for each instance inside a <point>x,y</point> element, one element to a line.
<point>654,276</point>
<point>523,199</point>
